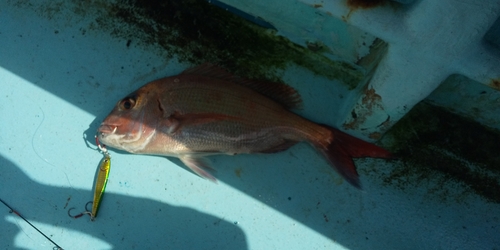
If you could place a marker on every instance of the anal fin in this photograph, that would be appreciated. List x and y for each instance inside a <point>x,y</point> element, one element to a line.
<point>199,165</point>
<point>281,147</point>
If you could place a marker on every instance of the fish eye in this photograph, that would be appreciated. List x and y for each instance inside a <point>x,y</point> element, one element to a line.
<point>127,103</point>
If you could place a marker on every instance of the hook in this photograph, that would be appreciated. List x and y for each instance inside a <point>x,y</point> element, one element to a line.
<point>86,205</point>
<point>78,215</point>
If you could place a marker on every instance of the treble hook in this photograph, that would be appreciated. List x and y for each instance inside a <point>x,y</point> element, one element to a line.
<point>87,211</point>
<point>78,215</point>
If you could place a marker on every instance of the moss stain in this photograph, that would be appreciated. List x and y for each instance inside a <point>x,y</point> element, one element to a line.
<point>434,145</point>
<point>195,31</point>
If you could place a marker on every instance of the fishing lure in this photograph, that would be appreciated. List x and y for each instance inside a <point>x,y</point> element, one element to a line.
<point>100,183</point>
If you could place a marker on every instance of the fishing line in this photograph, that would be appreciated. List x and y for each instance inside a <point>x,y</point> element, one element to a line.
<point>34,134</point>
<point>34,148</point>
<point>57,247</point>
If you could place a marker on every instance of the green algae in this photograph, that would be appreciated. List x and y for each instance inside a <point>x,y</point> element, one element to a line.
<point>433,144</point>
<point>195,31</point>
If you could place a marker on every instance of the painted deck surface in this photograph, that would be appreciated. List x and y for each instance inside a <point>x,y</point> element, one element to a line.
<point>57,84</point>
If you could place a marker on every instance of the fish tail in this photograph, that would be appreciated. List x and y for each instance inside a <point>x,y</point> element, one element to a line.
<point>340,148</point>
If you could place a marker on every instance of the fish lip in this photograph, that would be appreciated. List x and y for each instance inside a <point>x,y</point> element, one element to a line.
<point>107,128</point>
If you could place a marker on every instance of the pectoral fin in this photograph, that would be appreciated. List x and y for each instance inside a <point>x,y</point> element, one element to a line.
<point>199,165</point>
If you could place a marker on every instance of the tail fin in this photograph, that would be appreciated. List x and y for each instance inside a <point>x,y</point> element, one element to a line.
<point>342,148</point>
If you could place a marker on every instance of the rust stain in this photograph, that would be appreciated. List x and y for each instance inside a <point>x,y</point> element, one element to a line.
<point>353,124</point>
<point>317,5</point>
<point>369,102</point>
<point>365,4</point>
<point>371,98</point>
<point>375,135</point>
<point>361,4</point>
<point>495,83</point>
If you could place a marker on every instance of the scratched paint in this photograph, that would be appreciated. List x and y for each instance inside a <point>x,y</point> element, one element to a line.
<point>370,104</point>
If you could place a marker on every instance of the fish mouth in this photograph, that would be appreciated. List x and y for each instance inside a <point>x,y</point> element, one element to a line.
<point>107,129</point>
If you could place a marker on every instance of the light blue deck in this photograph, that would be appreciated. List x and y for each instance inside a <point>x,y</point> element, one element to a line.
<point>57,84</point>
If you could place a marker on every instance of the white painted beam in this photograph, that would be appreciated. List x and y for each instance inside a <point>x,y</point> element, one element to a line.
<point>428,41</point>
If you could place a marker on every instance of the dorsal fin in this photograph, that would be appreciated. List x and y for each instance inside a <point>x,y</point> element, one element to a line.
<point>211,70</point>
<point>279,92</point>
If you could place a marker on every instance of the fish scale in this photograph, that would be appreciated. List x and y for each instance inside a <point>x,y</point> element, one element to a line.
<point>252,115</point>
<point>221,138</point>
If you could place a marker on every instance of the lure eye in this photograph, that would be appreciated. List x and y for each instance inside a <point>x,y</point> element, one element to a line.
<point>127,103</point>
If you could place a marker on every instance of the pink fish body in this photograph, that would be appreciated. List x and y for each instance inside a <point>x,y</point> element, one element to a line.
<point>205,111</point>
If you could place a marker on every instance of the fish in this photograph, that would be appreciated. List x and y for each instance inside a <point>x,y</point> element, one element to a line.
<point>100,184</point>
<point>206,111</point>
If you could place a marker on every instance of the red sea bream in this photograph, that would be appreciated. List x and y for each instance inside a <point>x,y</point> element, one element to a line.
<point>205,111</point>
